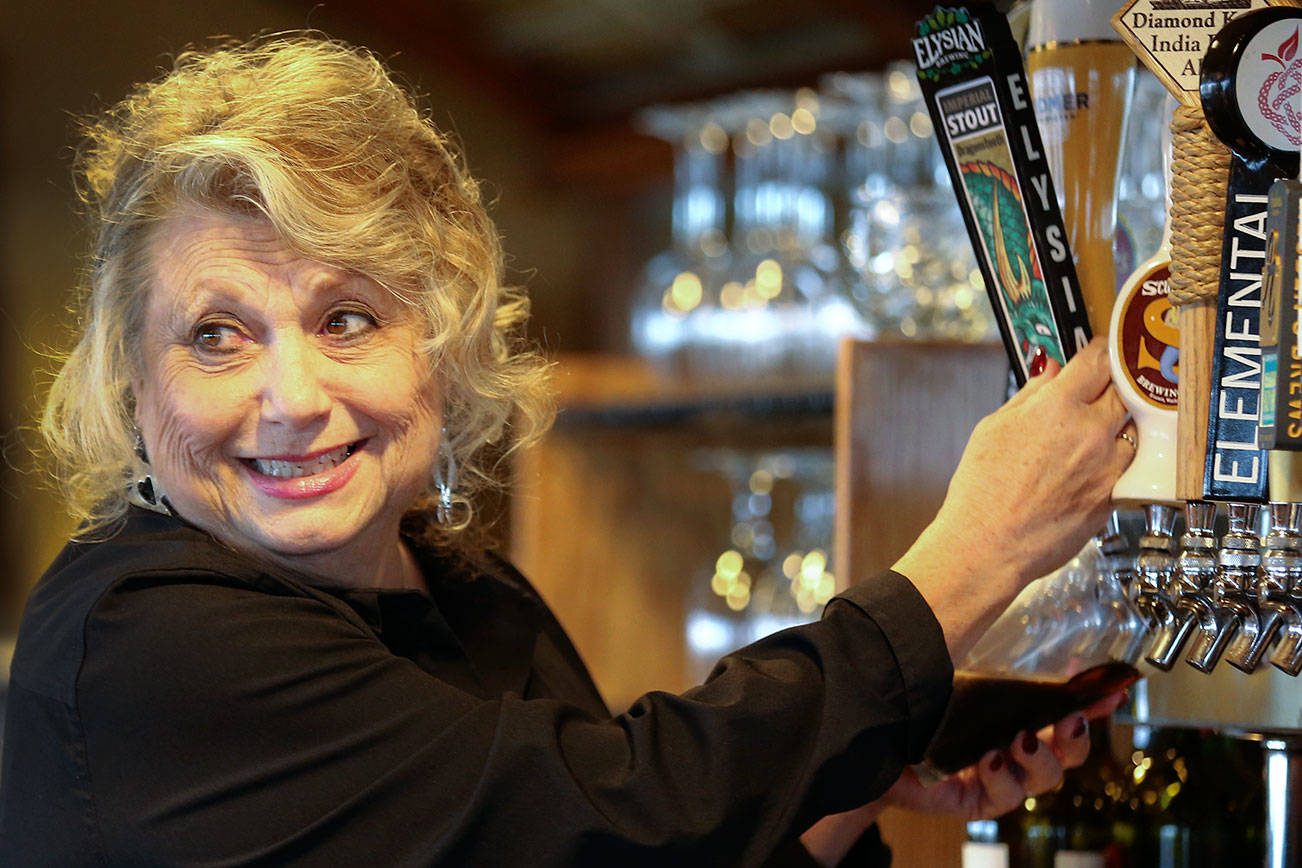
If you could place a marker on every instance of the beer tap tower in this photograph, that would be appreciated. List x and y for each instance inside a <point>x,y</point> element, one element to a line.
<point>1236,133</point>
<point>1235,70</point>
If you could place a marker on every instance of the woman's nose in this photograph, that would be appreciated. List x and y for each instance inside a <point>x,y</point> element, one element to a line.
<point>294,391</point>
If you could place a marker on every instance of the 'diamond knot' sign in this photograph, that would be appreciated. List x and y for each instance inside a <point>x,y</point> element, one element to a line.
<point>1171,36</point>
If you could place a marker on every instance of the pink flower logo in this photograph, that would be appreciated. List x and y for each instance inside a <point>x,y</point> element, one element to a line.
<point>1277,99</point>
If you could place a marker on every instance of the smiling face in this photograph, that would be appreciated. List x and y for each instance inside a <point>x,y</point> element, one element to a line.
<point>285,405</point>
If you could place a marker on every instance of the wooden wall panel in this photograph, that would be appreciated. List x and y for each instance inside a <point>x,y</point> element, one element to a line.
<point>614,521</point>
<point>903,415</point>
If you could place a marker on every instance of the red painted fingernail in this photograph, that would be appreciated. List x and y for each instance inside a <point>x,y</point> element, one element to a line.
<point>1079,729</point>
<point>997,763</point>
<point>1038,361</point>
<point>1030,744</point>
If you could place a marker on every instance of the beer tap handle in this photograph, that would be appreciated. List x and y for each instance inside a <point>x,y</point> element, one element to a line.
<point>1159,519</point>
<point>1284,518</point>
<point>1200,517</point>
<point>1156,562</point>
<point>1110,538</point>
<point>1004,134</point>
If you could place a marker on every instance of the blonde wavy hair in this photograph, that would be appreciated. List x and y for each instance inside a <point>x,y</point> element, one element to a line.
<point>316,136</point>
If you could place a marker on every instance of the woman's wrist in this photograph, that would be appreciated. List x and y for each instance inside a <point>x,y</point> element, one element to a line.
<point>966,584</point>
<point>832,837</point>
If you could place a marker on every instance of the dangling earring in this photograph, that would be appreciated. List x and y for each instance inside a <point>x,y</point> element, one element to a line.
<point>145,491</point>
<point>445,481</point>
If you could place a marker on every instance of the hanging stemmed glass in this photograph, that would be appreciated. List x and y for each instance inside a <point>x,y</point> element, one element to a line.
<point>717,618</point>
<point>807,569</point>
<point>854,107</point>
<point>781,306</point>
<point>1141,180</point>
<point>918,275</point>
<point>681,283</point>
<point>773,571</point>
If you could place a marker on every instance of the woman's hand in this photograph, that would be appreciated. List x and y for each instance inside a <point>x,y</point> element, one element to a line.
<point>1002,780</point>
<point>1033,484</point>
<point>1031,765</point>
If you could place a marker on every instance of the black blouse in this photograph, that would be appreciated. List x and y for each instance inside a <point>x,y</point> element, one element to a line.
<point>174,703</point>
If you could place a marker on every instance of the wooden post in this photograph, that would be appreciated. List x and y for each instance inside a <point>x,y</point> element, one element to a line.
<point>1197,338</point>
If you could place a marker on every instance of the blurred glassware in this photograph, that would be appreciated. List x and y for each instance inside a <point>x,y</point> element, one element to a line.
<point>1141,188</point>
<point>781,309</point>
<point>776,293</point>
<point>854,106</point>
<point>774,572</point>
<point>770,301</point>
<point>904,237</point>
<point>688,274</point>
<point>1076,617</point>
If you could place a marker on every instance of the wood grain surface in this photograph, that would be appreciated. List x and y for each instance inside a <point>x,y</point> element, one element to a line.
<point>1197,346</point>
<point>903,415</point>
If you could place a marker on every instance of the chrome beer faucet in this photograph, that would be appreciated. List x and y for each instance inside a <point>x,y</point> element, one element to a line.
<point>1194,574</point>
<point>1227,604</point>
<point>1281,589</point>
<point>1281,564</point>
<point>1116,563</point>
<point>1116,575</point>
<point>1156,565</point>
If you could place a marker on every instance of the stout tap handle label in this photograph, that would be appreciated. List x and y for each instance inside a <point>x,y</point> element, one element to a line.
<point>972,78</point>
<point>991,190</point>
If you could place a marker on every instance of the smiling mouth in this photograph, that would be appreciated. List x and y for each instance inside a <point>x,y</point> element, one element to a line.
<point>284,468</point>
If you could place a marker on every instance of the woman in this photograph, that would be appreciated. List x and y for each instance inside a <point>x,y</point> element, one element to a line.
<point>267,644</point>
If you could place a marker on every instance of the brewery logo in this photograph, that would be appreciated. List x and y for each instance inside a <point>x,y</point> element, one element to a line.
<point>949,40</point>
<point>1057,102</point>
<point>1149,340</point>
<point>1268,82</point>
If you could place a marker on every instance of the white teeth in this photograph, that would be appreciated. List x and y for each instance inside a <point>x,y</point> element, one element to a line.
<point>294,469</point>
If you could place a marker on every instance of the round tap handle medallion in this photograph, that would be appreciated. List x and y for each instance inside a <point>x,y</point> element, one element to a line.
<point>1149,340</point>
<point>1251,83</point>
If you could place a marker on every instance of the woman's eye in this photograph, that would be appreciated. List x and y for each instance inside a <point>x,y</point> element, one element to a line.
<point>348,323</point>
<point>219,337</point>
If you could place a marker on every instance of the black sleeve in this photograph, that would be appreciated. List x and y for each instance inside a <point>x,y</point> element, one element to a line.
<point>228,726</point>
<point>868,852</point>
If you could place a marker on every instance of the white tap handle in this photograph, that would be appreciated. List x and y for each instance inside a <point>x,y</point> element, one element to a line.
<point>1143,348</point>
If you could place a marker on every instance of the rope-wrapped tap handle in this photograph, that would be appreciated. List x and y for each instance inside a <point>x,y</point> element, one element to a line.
<point>1199,167</point>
